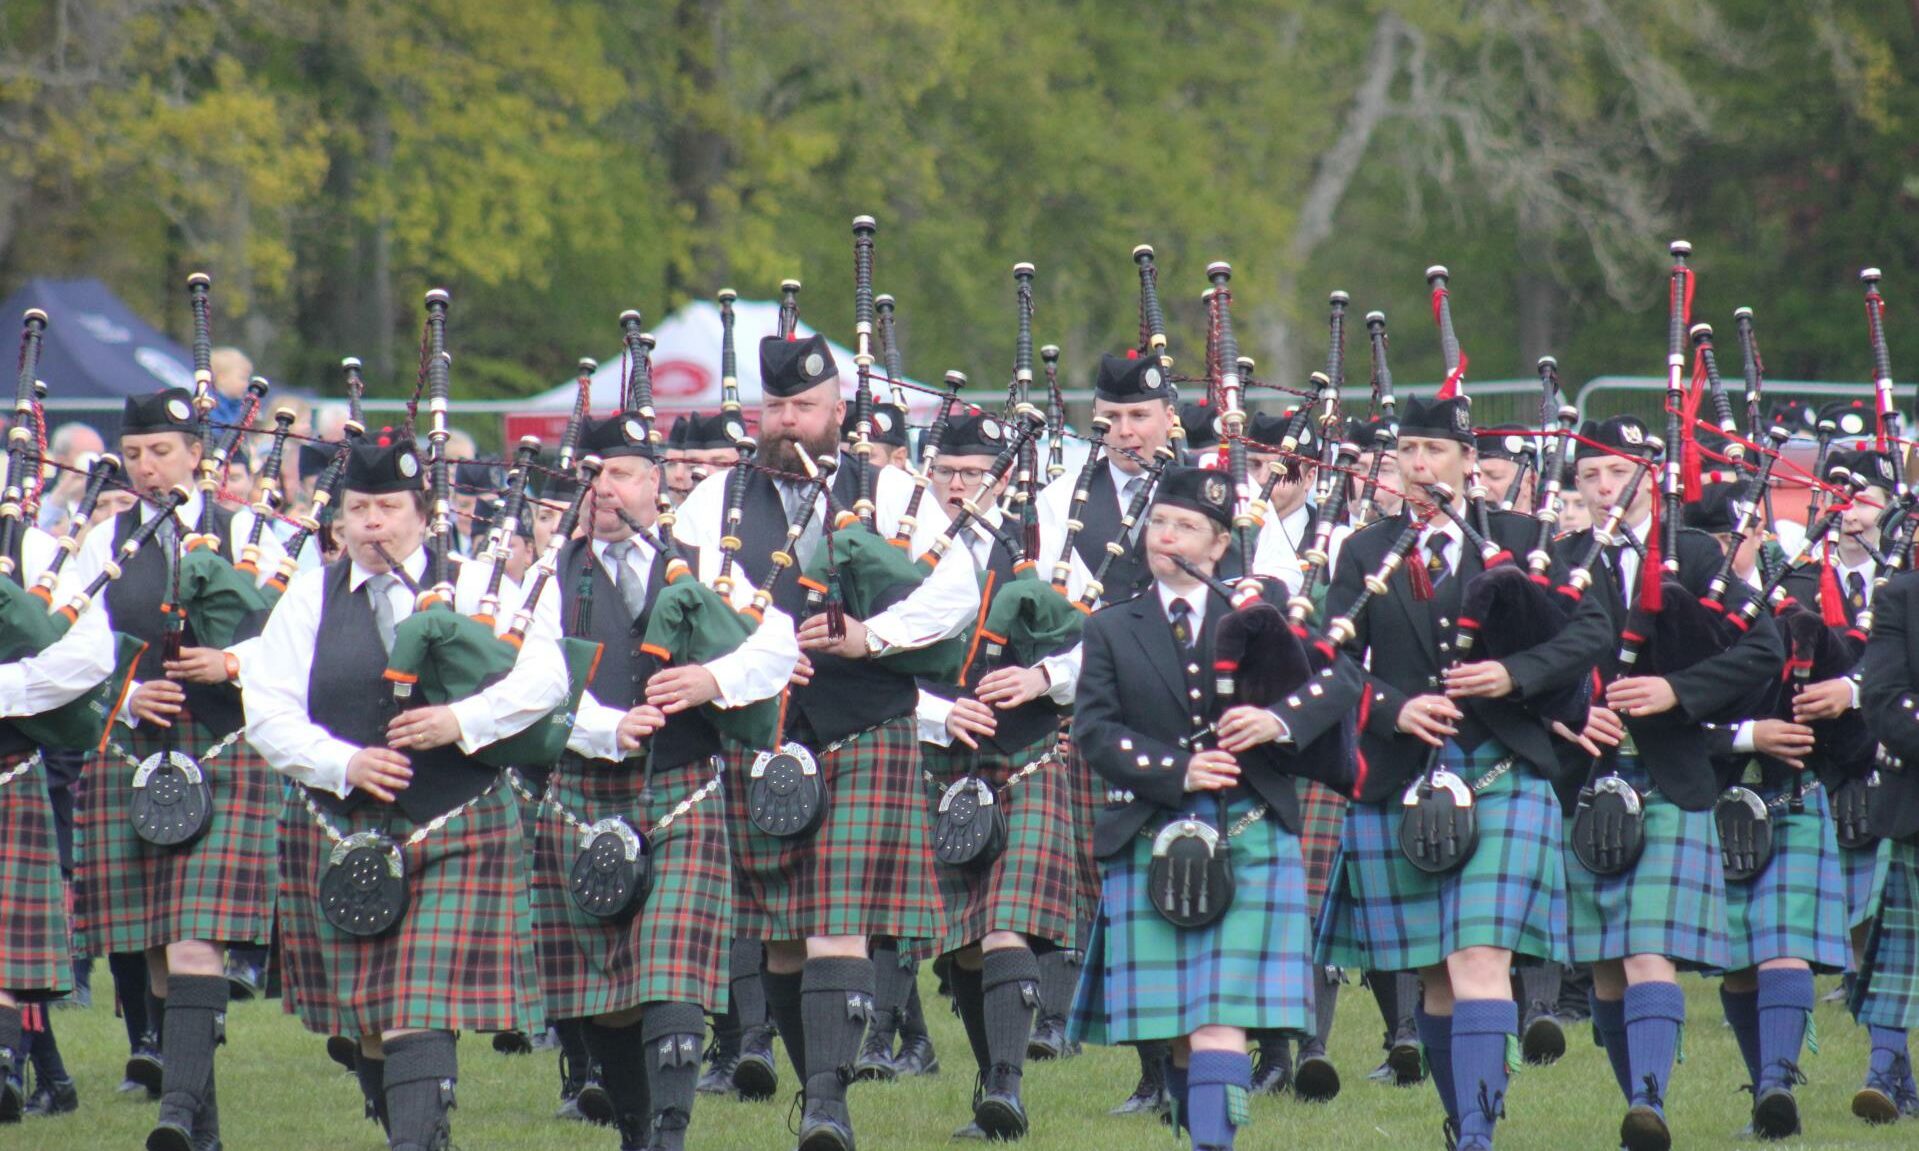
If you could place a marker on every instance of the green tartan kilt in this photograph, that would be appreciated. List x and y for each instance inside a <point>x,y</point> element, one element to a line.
<point>1858,866</point>
<point>1383,914</point>
<point>36,948</point>
<point>461,959</point>
<point>868,868</point>
<point>1089,798</point>
<point>1673,901</point>
<point>1144,978</point>
<point>1788,911</point>
<point>1032,888</point>
<point>527,793</point>
<point>674,950</point>
<point>130,895</point>
<point>1886,994</point>
<point>1322,819</point>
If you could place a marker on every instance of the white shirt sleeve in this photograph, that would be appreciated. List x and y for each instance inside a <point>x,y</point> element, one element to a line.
<point>536,685</point>
<point>761,666</point>
<point>278,724</point>
<point>272,551</point>
<point>930,717</point>
<point>69,666</point>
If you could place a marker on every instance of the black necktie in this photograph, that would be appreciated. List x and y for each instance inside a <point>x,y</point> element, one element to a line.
<point>1182,626</point>
<point>1856,591</point>
<point>1618,569</point>
<point>1437,568</point>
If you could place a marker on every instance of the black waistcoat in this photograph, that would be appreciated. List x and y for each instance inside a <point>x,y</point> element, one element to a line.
<point>347,696</point>
<point>133,607</point>
<point>620,681</point>
<point>1100,524</point>
<point>1020,727</point>
<point>846,695</point>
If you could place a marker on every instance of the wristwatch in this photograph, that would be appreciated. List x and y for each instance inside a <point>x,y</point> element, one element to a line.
<point>233,667</point>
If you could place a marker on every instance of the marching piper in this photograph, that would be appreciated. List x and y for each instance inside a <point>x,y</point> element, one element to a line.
<point>864,867</point>
<point>1457,913</point>
<point>404,910</point>
<point>700,445</point>
<point>1248,964</point>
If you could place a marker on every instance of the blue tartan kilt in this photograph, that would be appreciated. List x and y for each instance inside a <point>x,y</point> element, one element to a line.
<point>1384,914</point>
<point>1145,979</point>
<point>1672,903</point>
<point>1886,994</point>
<point>1787,911</point>
<point>1857,866</point>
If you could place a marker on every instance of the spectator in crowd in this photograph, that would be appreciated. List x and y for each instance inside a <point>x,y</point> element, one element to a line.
<point>76,446</point>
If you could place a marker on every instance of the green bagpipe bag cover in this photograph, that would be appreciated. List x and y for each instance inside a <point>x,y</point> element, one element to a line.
<point>691,624</point>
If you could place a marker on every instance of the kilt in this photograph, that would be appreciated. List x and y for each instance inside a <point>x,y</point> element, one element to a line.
<point>1322,819</point>
<point>1089,799</point>
<point>1886,993</point>
<point>130,895</point>
<point>36,950</point>
<point>460,959</point>
<point>867,869</point>
<point>1857,866</point>
<point>674,950</point>
<point>1384,914</point>
<point>527,795</point>
<point>1672,903</point>
<point>1145,979</point>
<point>1033,887</point>
<point>1787,911</point>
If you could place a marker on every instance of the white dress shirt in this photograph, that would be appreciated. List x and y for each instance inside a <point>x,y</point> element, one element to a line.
<point>281,729</point>
<point>1281,540</point>
<point>758,669</point>
<point>71,665</point>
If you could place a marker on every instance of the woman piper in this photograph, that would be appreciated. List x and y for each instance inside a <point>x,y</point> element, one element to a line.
<point>387,796</point>
<point>1143,696</point>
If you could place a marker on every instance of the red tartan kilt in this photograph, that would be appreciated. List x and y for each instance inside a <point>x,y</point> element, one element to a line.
<point>130,895</point>
<point>460,959</point>
<point>675,949</point>
<point>1033,887</point>
<point>1089,797</point>
<point>36,951</point>
<point>1322,820</point>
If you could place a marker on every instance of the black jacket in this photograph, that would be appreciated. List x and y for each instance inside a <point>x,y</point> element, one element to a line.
<point>1890,698</point>
<point>1736,682</point>
<point>1411,642</point>
<point>1128,720</point>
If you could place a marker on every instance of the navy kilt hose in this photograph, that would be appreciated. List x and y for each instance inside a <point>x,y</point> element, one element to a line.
<point>1790,910</point>
<point>130,895</point>
<point>1384,914</point>
<point>1886,993</point>
<point>1673,901</point>
<point>461,959</point>
<point>1033,887</point>
<point>1145,979</point>
<point>674,949</point>
<point>36,950</point>
<point>868,868</point>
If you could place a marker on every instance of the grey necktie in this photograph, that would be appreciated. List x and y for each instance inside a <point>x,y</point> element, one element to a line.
<point>379,590</point>
<point>632,585</point>
<point>791,495</point>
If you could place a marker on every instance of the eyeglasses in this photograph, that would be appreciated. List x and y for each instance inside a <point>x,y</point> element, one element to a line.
<point>1178,529</point>
<point>944,475</point>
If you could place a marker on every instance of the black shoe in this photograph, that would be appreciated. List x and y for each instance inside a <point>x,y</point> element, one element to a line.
<point>144,1069</point>
<point>341,1050</point>
<point>1272,1069</point>
<point>996,1104</point>
<point>717,1079</point>
<point>1544,1041</point>
<point>755,1076</point>
<point>57,1098</point>
<point>1875,1105</point>
<point>1449,1131</point>
<point>1407,1063</point>
<point>1775,1114</point>
<point>168,1135</point>
<point>875,1061</point>
<point>1644,1129</point>
<point>596,1106</point>
<point>916,1057</point>
<point>1315,1080</point>
<point>1048,1040</point>
<point>13,1102</point>
<point>1148,1098</point>
<point>512,1043</point>
<point>244,980</point>
<point>826,1126</point>
<point>970,1131</point>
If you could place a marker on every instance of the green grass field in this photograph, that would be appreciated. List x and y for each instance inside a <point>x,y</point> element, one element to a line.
<point>279,1092</point>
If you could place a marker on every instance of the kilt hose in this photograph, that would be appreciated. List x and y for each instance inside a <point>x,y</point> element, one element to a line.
<point>1857,865</point>
<point>36,948</point>
<point>866,870</point>
<point>130,895</point>
<point>1384,914</point>
<point>1886,994</point>
<point>675,948</point>
<point>1788,911</point>
<point>460,959</point>
<point>1033,887</point>
<point>1671,903</point>
<point>1322,819</point>
<point>1145,979</point>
